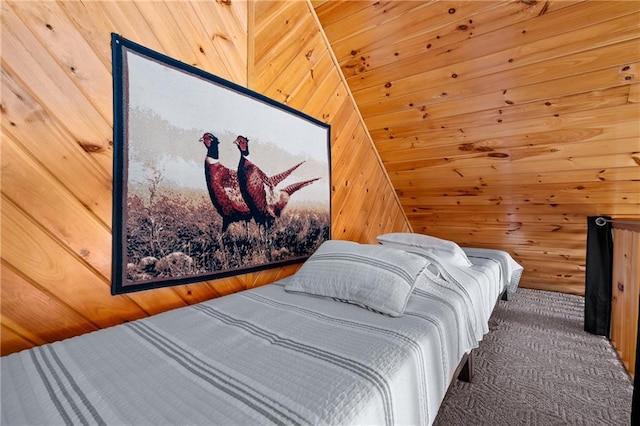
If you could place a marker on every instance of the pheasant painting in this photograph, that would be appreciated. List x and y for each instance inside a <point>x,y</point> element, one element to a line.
<point>259,191</point>
<point>224,189</point>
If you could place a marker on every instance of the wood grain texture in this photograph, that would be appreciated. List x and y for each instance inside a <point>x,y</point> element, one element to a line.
<point>57,148</point>
<point>501,124</point>
<point>625,292</point>
<point>494,124</point>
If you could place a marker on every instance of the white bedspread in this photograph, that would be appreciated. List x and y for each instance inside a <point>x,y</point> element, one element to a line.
<point>262,356</point>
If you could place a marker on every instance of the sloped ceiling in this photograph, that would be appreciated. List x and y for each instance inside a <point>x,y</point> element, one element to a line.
<point>501,124</point>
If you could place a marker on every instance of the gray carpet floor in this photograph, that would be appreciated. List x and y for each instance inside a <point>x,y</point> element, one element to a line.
<point>537,366</point>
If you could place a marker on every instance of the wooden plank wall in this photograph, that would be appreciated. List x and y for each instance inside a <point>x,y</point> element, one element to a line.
<point>57,146</point>
<point>625,292</point>
<point>501,124</point>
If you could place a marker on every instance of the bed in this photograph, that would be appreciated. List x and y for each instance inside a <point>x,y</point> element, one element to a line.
<point>282,353</point>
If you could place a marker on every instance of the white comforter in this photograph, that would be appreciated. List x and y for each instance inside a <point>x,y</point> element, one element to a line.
<point>262,356</point>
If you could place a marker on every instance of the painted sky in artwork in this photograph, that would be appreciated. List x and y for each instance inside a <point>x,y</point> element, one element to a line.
<point>169,110</point>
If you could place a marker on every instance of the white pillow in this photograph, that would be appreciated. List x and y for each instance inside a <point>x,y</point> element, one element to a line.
<point>376,277</point>
<point>444,249</point>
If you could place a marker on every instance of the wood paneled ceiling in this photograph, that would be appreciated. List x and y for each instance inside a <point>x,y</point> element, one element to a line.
<point>501,123</point>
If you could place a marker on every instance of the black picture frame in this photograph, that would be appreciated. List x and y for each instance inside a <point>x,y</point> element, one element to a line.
<point>179,214</point>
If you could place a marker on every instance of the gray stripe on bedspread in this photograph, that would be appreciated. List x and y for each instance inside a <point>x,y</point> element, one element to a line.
<point>426,295</point>
<point>441,300</point>
<point>66,389</point>
<point>463,296</point>
<point>230,385</point>
<point>378,263</point>
<point>354,366</point>
<point>489,270</point>
<point>368,327</point>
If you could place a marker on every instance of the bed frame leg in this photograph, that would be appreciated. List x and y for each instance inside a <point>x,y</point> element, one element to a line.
<point>504,295</point>
<point>466,370</point>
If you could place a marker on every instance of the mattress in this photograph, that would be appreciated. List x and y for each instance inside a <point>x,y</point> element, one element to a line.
<point>262,356</point>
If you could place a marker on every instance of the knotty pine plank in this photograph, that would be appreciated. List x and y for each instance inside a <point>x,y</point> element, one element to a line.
<point>345,176</point>
<point>378,195</point>
<point>569,283</point>
<point>266,13</point>
<point>225,286</point>
<point>613,138</point>
<point>49,318</point>
<point>416,198</point>
<point>129,21</point>
<point>635,275</point>
<point>30,64</point>
<point>320,104</point>
<point>35,190</point>
<point>73,54</point>
<point>634,94</point>
<point>465,113</point>
<point>558,252</point>
<point>24,119</point>
<point>451,39</point>
<point>626,209</point>
<point>531,192</point>
<point>457,113</point>
<point>558,266</point>
<point>197,33</point>
<point>346,200</point>
<point>12,341</point>
<point>32,250</point>
<point>343,126</point>
<point>434,38</point>
<point>359,199</point>
<point>158,300</point>
<point>282,86</point>
<point>517,232</point>
<point>550,282</point>
<point>618,297</point>
<point>452,218</point>
<point>426,27</point>
<point>173,38</point>
<point>268,276</point>
<point>443,141</point>
<point>395,222</point>
<point>17,337</point>
<point>444,85</point>
<point>310,83</point>
<point>190,293</point>
<point>333,104</point>
<point>574,150</point>
<point>331,11</point>
<point>622,115</point>
<point>502,166</point>
<point>226,25</point>
<point>93,25</point>
<point>509,241</point>
<point>369,208</point>
<point>569,150</point>
<point>345,153</point>
<point>372,17</point>
<point>285,24</point>
<point>297,41</point>
<point>575,178</point>
<point>521,43</point>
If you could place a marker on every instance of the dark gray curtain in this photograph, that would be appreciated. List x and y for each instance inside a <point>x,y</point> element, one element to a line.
<point>597,302</point>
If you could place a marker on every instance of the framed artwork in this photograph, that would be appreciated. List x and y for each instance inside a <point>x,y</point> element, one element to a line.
<point>210,179</point>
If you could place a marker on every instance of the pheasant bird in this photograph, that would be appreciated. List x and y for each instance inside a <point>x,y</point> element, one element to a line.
<point>223,186</point>
<point>258,190</point>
